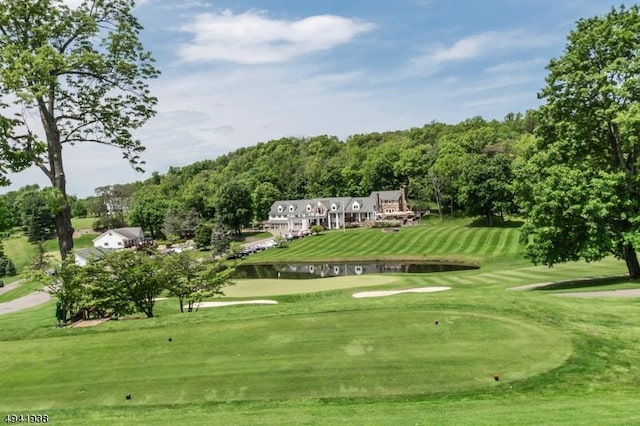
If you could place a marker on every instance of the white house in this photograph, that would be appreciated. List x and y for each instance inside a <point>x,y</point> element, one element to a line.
<point>119,238</point>
<point>335,212</point>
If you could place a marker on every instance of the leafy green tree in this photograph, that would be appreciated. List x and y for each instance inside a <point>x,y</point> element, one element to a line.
<point>191,279</point>
<point>233,205</point>
<point>79,208</point>
<point>486,186</point>
<point>262,197</point>
<point>66,283</point>
<point>203,235</point>
<point>446,173</point>
<point>148,211</point>
<point>584,201</point>
<point>127,280</point>
<point>84,72</point>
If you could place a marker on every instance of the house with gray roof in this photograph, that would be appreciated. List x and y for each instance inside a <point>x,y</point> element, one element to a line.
<point>335,212</point>
<point>119,238</point>
<point>91,254</point>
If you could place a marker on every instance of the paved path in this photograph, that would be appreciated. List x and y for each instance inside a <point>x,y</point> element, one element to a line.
<point>9,287</point>
<point>29,301</point>
<point>555,283</point>
<point>610,293</point>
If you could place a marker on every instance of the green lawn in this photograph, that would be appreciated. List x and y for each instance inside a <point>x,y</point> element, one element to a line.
<point>82,222</point>
<point>321,356</point>
<point>442,241</point>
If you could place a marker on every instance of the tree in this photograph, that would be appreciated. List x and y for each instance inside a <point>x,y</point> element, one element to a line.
<point>148,211</point>
<point>66,283</point>
<point>84,72</point>
<point>203,235</point>
<point>179,222</point>
<point>192,279</point>
<point>486,186</point>
<point>40,259</point>
<point>233,205</point>
<point>262,197</point>
<point>9,268</point>
<point>220,239</point>
<point>126,281</point>
<point>584,201</point>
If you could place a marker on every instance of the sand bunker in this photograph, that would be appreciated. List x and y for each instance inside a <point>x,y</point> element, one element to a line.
<point>240,302</point>
<point>89,323</point>
<point>383,293</point>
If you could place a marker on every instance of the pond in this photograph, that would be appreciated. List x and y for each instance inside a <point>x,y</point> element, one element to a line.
<point>302,271</point>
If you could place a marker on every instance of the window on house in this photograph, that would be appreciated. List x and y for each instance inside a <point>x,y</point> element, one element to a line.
<point>291,208</point>
<point>308,207</point>
<point>119,243</point>
<point>106,244</point>
<point>356,206</point>
<point>279,209</point>
<point>334,207</point>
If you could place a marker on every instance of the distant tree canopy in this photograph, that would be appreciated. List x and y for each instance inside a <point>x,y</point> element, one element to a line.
<point>431,162</point>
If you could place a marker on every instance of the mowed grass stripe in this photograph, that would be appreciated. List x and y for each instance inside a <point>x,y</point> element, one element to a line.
<point>446,241</point>
<point>479,242</point>
<point>505,238</point>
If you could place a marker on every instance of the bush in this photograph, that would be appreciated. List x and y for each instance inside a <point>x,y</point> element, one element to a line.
<point>316,229</point>
<point>386,224</point>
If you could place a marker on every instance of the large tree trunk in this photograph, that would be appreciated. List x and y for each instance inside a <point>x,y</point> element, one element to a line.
<point>56,175</point>
<point>631,258</point>
<point>64,230</point>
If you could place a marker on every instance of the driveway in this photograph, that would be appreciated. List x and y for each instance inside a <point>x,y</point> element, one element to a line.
<point>29,301</point>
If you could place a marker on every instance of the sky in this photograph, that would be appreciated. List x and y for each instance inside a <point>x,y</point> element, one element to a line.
<point>236,73</point>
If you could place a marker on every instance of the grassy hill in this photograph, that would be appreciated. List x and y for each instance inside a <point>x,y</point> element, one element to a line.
<point>321,356</point>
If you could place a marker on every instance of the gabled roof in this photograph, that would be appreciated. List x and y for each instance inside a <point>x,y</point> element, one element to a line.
<point>126,233</point>
<point>130,233</point>
<point>367,204</point>
<point>393,195</point>
<point>93,253</point>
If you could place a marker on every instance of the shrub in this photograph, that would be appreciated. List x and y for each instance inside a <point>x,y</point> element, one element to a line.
<point>316,229</point>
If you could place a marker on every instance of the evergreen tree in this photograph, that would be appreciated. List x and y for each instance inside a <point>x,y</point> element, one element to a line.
<point>220,240</point>
<point>10,268</point>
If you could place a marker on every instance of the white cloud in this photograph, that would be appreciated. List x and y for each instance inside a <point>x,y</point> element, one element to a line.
<point>515,66</point>
<point>253,38</point>
<point>475,46</point>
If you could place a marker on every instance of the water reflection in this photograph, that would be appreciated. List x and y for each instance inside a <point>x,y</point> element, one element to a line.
<point>302,271</point>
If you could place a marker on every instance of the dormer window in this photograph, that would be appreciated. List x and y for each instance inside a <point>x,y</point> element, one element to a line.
<point>280,209</point>
<point>334,207</point>
<point>356,206</point>
<point>291,209</point>
<point>308,207</point>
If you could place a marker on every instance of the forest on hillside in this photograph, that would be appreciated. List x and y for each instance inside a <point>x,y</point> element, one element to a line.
<point>467,166</point>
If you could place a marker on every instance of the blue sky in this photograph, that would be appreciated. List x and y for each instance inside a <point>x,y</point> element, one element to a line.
<point>235,73</point>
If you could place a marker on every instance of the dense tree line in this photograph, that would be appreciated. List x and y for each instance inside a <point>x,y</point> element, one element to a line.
<point>467,166</point>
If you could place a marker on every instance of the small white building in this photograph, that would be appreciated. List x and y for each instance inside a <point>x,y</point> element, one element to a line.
<point>119,238</point>
<point>91,254</point>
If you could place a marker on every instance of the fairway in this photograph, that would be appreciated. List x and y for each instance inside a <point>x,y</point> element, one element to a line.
<point>377,352</point>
